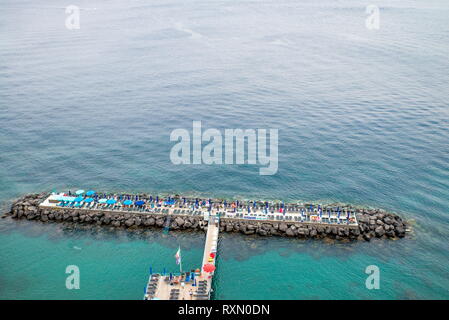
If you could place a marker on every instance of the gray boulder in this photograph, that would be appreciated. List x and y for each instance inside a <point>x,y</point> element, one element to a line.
<point>250,226</point>
<point>188,224</point>
<point>179,221</point>
<point>400,231</point>
<point>290,232</point>
<point>129,222</point>
<point>150,221</point>
<point>380,231</point>
<point>367,236</point>
<point>283,227</point>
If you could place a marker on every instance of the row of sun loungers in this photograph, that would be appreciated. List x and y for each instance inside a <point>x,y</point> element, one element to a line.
<point>302,215</point>
<point>187,203</point>
<point>298,218</point>
<point>201,292</point>
<point>152,286</point>
<point>179,205</point>
<point>174,294</point>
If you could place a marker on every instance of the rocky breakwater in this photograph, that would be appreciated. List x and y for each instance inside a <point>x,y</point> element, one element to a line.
<point>28,208</point>
<point>371,223</point>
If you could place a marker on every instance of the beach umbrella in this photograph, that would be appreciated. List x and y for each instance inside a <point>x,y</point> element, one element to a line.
<point>102,200</point>
<point>209,267</point>
<point>90,193</point>
<point>139,203</point>
<point>212,255</point>
<point>111,201</point>
<point>127,202</point>
<point>78,192</point>
<point>88,200</point>
<point>78,199</point>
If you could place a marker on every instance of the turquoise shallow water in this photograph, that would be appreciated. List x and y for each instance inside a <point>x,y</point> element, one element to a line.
<point>362,118</point>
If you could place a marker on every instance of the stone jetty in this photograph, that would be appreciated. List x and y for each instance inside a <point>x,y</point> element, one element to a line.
<point>371,223</point>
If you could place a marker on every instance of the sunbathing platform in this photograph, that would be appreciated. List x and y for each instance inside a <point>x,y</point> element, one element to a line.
<point>249,210</point>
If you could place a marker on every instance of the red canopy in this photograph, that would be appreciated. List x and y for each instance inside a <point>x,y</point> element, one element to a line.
<point>208,267</point>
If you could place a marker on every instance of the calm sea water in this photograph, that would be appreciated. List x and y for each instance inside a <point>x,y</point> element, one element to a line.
<point>362,118</point>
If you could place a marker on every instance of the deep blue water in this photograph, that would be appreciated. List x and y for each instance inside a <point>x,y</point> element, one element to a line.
<point>362,118</point>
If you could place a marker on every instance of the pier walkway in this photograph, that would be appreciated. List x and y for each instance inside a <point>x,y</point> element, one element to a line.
<point>211,247</point>
<point>198,285</point>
